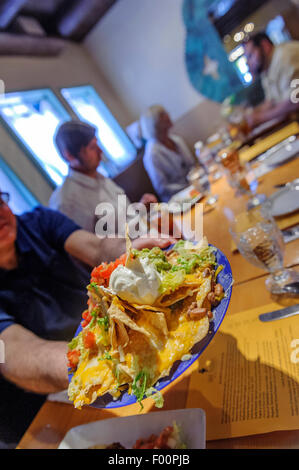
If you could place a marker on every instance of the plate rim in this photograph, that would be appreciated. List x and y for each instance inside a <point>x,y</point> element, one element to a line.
<point>276,195</point>
<point>192,201</point>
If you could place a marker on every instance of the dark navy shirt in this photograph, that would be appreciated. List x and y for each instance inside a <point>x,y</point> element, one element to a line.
<point>46,293</point>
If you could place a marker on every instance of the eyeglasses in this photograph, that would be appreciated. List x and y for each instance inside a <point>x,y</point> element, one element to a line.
<point>4,198</point>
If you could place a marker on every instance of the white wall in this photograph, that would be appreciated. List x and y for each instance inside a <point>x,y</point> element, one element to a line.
<point>139,46</point>
<point>73,67</point>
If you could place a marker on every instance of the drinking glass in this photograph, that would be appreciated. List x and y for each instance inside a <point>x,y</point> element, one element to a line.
<point>200,180</point>
<point>241,177</point>
<point>260,241</point>
<point>208,160</point>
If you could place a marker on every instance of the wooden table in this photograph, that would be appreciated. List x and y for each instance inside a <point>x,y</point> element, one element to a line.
<point>55,419</point>
<point>216,222</point>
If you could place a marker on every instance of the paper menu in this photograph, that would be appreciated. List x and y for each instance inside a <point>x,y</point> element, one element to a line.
<point>247,380</point>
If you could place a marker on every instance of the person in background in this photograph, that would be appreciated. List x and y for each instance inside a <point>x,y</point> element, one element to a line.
<point>84,187</point>
<point>42,297</point>
<point>167,159</point>
<point>278,66</point>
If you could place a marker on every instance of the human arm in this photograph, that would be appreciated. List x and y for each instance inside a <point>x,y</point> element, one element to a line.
<point>32,363</point>
<point>64,235</point>
<point>93,250</point>
<point>280,85</point>
<point>271,111</point>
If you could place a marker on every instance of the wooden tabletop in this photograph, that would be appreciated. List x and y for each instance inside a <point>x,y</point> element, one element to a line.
<point>216,222</point>
<point>55,419</point>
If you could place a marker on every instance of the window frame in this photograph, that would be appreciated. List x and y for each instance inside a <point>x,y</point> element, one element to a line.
<point>26,150</point>
<point>20,185</point>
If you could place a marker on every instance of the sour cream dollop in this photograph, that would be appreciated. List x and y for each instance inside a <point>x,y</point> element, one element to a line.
<point>137,283</point>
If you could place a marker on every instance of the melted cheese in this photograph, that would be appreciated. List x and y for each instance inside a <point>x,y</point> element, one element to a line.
<point>93,376</point>
<point>180,342</point>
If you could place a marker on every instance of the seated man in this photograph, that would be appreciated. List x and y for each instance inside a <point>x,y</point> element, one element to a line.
<point>278,67</point>
<point>84,187</point>
<point>167,158</point>
<point>42,297</point>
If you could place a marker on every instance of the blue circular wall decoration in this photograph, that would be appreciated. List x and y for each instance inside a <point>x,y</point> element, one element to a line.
<point>208,67</point>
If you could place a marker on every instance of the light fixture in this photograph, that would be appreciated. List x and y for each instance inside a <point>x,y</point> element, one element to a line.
<point>249,27</point>
<point>239,36</point>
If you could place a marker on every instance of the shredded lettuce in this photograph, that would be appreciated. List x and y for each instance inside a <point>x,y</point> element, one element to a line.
<point>139,386</point>
<point>189,260</point>
<point>103,322</point>
<point>140,389</point>
<point>77,343</point>
<point>156,396</point>
<point>74,343</point>
<point>171,280</point>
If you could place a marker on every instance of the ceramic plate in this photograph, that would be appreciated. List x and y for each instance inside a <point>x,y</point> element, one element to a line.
<point>285,201</point>
<point>176,203</point>
<point>192,423</point>
<point>281,153</point>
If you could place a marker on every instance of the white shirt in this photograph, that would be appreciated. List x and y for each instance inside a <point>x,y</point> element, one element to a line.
<point>284,67</point>
<point>79,195</point>
<point>167,168</point>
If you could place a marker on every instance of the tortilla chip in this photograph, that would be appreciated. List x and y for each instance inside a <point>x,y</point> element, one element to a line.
<point>158,321</point>
<point>155,323</point>
<point>181,293</point>
<point>117,314</point>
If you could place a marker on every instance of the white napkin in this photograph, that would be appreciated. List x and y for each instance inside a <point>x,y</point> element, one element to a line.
<point>61,397</point>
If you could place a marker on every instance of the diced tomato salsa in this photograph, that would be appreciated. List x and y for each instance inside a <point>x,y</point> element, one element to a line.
<point>155,442</point>
<point>86,318</point>
<point>89,339</point>
<point>73,358</point>
<point>101,274</point>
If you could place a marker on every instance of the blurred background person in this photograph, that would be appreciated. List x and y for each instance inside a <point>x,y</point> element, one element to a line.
<point>278,66</point>
<point>167,159</point>
<point>84,187</point>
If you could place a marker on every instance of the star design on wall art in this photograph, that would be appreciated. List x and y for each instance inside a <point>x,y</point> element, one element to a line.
<point>211,67</point>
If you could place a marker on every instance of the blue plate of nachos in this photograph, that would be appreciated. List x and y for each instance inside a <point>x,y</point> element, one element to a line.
<point>150,315</point>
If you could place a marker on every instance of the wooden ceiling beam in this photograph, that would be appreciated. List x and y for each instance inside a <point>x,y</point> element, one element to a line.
<point>81,16</point>
<point>24,45</point>
<point>9,10</point>
<point>236,15</point>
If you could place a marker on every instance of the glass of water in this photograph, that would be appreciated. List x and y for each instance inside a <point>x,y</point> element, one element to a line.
<point>199,178</point>
<point>260,241</point>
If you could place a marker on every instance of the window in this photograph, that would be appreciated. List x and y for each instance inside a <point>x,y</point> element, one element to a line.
<point>277,31</point>
<point>21,200</point>
<point>118,149</point>
<point>34,116</point>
